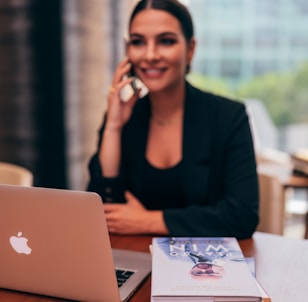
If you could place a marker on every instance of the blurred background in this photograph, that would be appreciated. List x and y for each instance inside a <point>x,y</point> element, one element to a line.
<point>57,59</point>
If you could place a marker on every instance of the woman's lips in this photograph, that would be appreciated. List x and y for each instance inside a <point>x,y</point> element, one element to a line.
<point>153,73</point>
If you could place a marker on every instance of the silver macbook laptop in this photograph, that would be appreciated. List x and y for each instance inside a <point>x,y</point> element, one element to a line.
<point>56,243</point>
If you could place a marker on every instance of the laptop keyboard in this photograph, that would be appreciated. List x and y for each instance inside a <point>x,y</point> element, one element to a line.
<point>123,276</point>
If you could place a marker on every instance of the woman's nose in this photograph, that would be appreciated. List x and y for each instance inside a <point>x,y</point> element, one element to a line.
<point>152,53</point>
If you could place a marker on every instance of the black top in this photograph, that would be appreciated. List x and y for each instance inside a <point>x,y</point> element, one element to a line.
<point>218,166</point>
<point>163,188</point>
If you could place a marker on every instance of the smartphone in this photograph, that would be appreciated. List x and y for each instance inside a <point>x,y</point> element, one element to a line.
<point>134,82</point>
<point>129,90</point>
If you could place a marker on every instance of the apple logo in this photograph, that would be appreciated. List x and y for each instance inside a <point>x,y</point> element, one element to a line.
<point>20,244</point>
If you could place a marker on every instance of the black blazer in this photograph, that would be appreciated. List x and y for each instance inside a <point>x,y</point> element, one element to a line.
<point>219,168</point>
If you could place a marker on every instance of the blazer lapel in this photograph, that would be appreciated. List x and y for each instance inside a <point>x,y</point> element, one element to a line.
<point>197,144</point>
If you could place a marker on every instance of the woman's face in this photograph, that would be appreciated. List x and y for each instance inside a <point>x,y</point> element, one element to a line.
<point>158,50</point>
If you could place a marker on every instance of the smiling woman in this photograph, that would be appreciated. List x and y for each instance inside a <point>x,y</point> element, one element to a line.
<point>177,161</point>
<point>160,55</point>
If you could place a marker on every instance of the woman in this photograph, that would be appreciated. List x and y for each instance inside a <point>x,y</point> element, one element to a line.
<point>177,161</point>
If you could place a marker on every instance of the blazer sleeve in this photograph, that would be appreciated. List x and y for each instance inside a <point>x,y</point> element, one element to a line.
<point>110,189</point>
<point>231,205</point>
<point>133,143</point>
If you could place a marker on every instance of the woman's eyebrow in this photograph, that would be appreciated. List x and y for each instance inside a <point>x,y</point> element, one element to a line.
<point>166,33</point>
<point>135,35</point>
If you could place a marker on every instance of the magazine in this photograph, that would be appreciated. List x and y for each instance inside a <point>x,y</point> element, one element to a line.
<point>201,269</point>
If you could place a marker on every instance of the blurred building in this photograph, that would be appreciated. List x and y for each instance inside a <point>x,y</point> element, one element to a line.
<point>238,39</point>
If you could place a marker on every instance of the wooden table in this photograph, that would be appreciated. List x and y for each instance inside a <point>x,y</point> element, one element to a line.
<point>296,181</point>
<point>299,182</point>
<point>281,267</point>
<point>289,180</point>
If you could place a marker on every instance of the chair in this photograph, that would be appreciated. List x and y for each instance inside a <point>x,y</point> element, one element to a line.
<point>271,204</point>
<point>15,175</point>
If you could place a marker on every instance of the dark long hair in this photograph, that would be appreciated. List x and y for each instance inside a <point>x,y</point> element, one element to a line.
<point>174,8</point>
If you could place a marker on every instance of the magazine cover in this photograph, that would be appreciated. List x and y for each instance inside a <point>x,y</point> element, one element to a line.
<point>192,269</point>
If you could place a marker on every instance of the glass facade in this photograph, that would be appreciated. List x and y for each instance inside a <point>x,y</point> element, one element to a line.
<point>239,39</point>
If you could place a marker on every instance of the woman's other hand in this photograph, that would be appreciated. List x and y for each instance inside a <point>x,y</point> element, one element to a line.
<point>133,218</point>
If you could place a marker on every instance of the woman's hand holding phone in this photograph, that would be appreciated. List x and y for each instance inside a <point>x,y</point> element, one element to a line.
<point>135,87</point>
<point>119,109</point>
